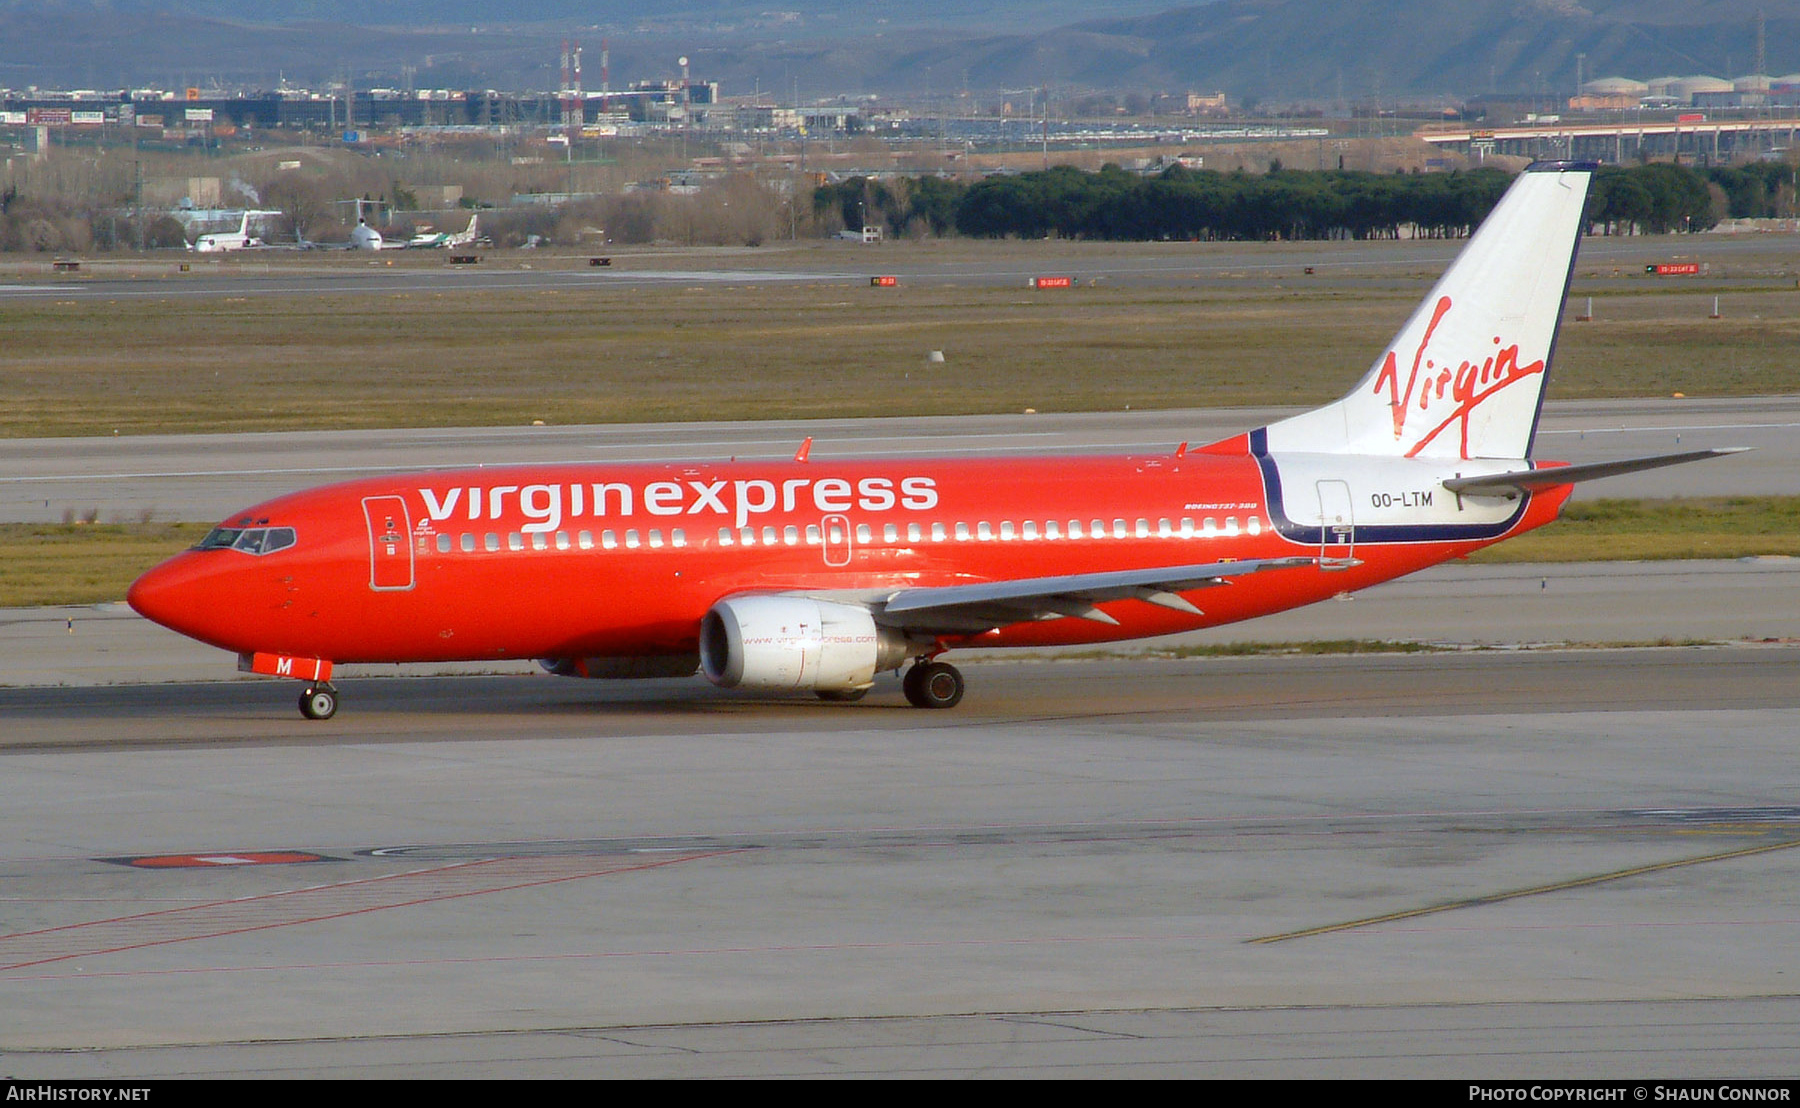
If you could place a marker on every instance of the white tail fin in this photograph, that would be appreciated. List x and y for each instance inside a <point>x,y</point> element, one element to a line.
<point>1465,377</point>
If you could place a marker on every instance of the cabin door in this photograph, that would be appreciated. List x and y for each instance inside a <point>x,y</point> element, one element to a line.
<point>390,543</point>
<point>1337,526</point>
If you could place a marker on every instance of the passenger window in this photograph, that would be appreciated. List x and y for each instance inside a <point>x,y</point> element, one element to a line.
<point>656,539</point>
<point>1187,527</point>
<point>1006,529</point>
<point>562,540</point>
<point>937,532</point>
<point>491,541</point>
<point>1118,529</point>
<point>1231,525</point>
<point>770,536</point>
<point>1052,530</point>
<point>837,534</point>
<point>585,540</point>
<point>1143,529</point>
<point>609,540</point>
<point>790,535</point>
<point>747,536</point>
<point>812,534</point>
<point>468,543</point>
<point>865,534</point>
<point>725,537</point>
<point>890,533</point>
<point>1255,526</point>
<point>515,541</point>
<point>540,541</point>
<point>914,533</point>
<point>631,539</point>
<point>1074,528</point>
<point>1097,529</point>
<point>443,544</point>
<point>1030,526</point>
<point>1209,527</point>
<point>678,537</point>
<point>1164,528</point>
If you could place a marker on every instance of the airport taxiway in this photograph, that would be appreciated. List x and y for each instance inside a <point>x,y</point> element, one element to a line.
<point>1482,863</point>
<point>1487,864</point>
<point>204,477</point>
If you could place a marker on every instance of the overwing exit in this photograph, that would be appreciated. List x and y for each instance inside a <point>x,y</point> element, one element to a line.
<point>815,576</point>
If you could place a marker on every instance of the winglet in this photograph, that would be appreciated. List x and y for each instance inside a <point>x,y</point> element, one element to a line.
<point>1181,451</point>
<point>805,449</point>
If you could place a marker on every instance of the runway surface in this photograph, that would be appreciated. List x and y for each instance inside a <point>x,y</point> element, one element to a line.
<point>1485,864</point>
<point>1732,259</point>
<point>205,477</point>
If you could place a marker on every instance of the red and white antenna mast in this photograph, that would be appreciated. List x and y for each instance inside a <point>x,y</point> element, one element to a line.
<point>571,87</point>
<point>605,75</point>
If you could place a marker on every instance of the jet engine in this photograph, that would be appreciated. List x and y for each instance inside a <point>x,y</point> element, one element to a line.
<point>795,642</point>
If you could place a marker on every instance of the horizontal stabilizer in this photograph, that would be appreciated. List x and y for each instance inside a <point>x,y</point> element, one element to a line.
<point>1530,480</point>
<point>988,604</point>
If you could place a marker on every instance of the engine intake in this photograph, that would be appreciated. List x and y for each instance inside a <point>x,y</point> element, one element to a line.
<point>795,643</point>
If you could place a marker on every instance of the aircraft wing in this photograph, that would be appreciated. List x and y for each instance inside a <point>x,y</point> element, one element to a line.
<point>1529,480</point>
<point>978,607</point>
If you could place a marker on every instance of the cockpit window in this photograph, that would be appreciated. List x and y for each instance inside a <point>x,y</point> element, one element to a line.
<point>250,540</point>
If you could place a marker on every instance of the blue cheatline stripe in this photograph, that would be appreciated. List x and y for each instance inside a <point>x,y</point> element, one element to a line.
<point>1365,533</point>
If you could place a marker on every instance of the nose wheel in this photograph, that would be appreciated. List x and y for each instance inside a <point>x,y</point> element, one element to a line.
<point>319,702</point>
<point>933,685</point>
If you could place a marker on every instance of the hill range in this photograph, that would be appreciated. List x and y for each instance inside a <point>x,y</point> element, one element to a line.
<point>1272,50</point>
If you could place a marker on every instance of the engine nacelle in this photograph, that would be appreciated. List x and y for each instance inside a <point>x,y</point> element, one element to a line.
<point>795,642</point>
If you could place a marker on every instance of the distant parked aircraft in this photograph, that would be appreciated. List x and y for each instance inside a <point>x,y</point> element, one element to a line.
<point>441,240</point>
<point>219,242</point>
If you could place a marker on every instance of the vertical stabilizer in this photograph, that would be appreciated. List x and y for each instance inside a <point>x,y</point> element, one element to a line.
<point>1465,377</point>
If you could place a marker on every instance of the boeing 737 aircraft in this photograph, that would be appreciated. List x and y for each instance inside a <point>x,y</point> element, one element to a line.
<point>816,576</point>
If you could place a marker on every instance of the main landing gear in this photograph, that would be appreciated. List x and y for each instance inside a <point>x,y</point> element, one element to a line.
<point>933,685</point>
<point>319,701</point>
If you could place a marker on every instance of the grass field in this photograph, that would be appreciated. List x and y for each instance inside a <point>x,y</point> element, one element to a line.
<point>147,364</point>
<point>48,564</point>
<point>1659,530</point>
<point>78,563</point>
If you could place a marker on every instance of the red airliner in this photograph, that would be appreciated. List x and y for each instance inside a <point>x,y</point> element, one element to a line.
<point>818,575</point>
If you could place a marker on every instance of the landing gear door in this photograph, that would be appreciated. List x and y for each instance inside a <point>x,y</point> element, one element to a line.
<point>1337,526</point>
<point>390,543</point>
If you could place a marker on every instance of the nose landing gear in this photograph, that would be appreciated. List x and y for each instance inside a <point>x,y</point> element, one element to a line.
<point>319,701</point>
<point>933,685</point>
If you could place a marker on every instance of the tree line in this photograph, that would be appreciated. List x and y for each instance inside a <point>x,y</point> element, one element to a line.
<point>1284,204</point>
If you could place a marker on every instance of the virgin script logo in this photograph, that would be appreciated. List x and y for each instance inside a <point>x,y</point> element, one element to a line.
<point>1464,388</point>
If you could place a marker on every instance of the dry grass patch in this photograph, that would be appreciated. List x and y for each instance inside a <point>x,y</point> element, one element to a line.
<point>42,564</point>
<point>1658,530</point>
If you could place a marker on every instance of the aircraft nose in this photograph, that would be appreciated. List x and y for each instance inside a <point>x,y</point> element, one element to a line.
<point>177,595</point>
